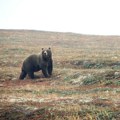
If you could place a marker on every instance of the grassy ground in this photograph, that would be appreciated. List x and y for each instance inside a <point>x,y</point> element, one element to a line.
<point>85,84</point>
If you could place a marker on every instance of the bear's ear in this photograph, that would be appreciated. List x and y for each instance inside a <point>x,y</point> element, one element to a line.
<point>42,49</point>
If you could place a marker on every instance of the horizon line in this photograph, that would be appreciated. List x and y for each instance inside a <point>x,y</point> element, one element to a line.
<point>37,30</point>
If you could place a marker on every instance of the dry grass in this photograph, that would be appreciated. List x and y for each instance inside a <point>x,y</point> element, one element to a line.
<point>85,83</point>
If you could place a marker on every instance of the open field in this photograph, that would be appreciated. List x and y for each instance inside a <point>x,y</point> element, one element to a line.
<point>85,84</point>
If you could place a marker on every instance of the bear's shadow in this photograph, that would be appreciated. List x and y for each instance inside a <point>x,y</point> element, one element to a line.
<point>38,78</point>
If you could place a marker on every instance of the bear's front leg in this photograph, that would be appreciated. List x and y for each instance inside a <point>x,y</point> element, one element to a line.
<point>50,67</point>
<point>45,72</point>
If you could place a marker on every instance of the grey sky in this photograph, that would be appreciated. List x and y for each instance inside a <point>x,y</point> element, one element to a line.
<point>79,16</point>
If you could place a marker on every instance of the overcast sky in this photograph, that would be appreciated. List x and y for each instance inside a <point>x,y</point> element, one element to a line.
<point>78,16</point>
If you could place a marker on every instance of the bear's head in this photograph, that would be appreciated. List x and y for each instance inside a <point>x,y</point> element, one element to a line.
<point>46,54</point>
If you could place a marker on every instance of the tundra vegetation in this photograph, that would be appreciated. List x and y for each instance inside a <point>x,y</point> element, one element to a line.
<point>85,84</point>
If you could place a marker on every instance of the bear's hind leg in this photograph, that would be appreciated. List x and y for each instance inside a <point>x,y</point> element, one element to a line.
<point>22,75</point>
<point>31,75</point>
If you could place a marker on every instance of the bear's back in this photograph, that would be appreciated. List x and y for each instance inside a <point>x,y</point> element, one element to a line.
<point>31,63</point>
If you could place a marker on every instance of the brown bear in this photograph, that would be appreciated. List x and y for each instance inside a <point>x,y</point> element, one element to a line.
<point>34,63</point>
